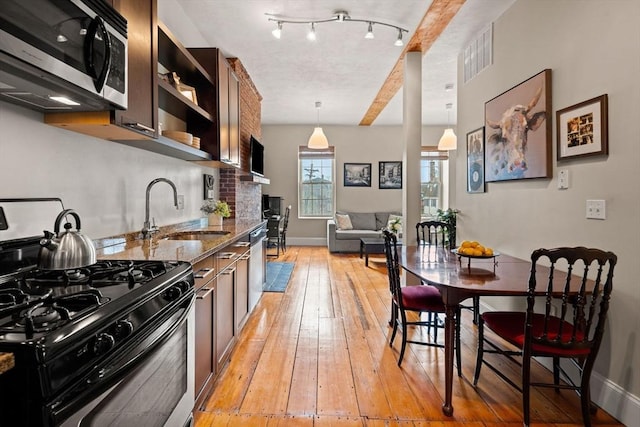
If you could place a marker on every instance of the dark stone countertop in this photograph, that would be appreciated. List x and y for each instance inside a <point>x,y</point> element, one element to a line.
<point>131,247</point>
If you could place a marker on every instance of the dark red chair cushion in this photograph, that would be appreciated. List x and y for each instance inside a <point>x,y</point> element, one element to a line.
<point>510,326</point>
<point>422,298</point>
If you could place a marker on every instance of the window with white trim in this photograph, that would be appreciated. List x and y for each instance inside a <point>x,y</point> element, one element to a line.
<point>316,182</point>
<point>432,182</point>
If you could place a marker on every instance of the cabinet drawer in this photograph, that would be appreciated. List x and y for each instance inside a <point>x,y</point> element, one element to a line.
<point>225,258</point>
<point>204,271</point>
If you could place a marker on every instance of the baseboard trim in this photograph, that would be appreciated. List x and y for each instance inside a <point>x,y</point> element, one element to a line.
<point>306,241</point>
<point>618,402</point>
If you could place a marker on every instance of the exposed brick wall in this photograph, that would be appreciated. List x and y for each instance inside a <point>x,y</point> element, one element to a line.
<point>244,198</point>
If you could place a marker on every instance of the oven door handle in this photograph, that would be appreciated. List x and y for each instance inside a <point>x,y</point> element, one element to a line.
<point>110,372</point>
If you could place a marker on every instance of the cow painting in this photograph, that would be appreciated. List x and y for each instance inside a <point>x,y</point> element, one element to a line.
<point>516,140</point>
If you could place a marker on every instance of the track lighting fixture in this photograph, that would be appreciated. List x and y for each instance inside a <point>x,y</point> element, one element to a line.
<point>338,16</point>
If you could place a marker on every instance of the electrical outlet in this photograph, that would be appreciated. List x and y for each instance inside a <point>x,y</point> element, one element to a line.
<point>180,202</point>
<point>596,209</point>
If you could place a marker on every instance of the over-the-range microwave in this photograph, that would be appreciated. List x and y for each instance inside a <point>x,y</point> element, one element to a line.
<point>63,55</point>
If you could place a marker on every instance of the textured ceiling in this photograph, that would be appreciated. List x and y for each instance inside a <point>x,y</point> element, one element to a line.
<point>341,69</point>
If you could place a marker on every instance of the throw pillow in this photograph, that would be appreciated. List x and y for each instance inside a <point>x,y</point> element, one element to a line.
<point>363,220</point>
<point>343,222</point>
<point>394,224</point>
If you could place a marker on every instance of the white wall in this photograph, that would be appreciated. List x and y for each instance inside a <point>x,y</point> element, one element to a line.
<point>353,144</point>
<point>103,181</point>
<point>592,48</point>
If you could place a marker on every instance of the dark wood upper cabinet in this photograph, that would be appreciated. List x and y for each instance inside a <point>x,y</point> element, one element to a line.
<point>142,111</point>
<point>150,43</point>
<point>140,119</point>
<point>225,145</point>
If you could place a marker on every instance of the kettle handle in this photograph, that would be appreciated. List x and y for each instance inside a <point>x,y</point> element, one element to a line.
<point>61,215</point>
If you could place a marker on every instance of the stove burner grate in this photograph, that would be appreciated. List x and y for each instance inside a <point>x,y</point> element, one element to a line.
<point>14,298</point>
<point>48,314</point>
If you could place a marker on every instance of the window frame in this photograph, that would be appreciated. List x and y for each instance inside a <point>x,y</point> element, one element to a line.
<point>324,154</point>
<point>433,154</point>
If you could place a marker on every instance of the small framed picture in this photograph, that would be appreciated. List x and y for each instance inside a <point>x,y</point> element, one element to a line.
<point>357,174</point>
<point>390,175</point>
<point>475,161</point>
<point>173,79</point>
<point>582,129</point>
<point>189,93</point>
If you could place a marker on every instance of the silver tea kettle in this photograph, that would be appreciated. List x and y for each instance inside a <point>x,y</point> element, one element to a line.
<point>68,249</point>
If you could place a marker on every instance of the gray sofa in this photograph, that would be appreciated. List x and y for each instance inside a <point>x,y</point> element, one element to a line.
<point>364,225</point>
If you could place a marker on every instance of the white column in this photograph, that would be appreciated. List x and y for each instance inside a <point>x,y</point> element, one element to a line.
<point>412,140</point>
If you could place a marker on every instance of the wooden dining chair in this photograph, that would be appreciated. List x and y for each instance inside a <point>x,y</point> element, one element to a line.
<point>283,229</point>
<point>433,233</point>
<point>419,300</point>
<point>569,325</point>
<point>438,233</point>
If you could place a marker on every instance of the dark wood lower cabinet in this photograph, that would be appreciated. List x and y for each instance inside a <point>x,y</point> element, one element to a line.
<point>204,364</point>
<point>242,291</point>
<point>205,360</point>
<point>222,307</point>
<point>224,319</point>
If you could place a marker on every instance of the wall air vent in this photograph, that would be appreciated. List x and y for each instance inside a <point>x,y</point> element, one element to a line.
<point>478,55</point>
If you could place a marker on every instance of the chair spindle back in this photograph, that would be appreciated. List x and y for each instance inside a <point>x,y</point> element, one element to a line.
<point>581,299</point>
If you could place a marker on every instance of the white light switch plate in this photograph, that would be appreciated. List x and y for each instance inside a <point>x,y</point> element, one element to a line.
<point>563,179</point>
<point>596,209</point>
<point>180,202</point>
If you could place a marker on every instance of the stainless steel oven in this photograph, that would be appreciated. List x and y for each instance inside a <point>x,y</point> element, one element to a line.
<point>68,55</point>
<point>112,343</point>
<point>153,381</point>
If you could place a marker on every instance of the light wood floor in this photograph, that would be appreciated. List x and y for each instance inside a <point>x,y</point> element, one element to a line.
<point>319,355</point>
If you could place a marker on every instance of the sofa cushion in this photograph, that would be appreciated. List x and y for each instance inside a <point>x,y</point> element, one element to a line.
<point>356,234</point>
<point>343,222</point>
<point>382,218</point>
<point>362,220</point>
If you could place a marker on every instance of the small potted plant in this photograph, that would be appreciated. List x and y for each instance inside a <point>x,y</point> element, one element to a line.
<point>395,225</point>
<point>216,210</point>
<point>450,217</point>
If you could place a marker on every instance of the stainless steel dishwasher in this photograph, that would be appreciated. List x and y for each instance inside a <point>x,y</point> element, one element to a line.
<point>257,268</point>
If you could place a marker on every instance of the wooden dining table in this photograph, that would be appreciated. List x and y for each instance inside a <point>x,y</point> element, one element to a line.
<point>458,278</point>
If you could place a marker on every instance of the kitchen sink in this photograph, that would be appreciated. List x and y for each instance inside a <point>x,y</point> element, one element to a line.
<point>197,235</point>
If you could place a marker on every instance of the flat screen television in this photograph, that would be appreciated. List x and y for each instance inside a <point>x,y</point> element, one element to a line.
<point>257,157</point>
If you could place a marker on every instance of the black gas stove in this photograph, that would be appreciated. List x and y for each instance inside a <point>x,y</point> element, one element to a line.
<point>37,303</point>
<point>69,330</point>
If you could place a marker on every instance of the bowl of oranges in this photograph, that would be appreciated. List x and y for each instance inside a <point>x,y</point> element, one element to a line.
<point>473,249</point>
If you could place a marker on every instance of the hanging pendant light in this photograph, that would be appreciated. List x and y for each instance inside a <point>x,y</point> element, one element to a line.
<point>318,139</point>
<point>448,141</point>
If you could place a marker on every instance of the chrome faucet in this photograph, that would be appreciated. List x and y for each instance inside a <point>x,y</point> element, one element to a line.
<point>147,229</point>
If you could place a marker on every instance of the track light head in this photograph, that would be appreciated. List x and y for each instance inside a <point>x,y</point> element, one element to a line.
<point>311,35</point>
<point>277,33</point>
<point>399,41</point>
<point>369,34</point>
